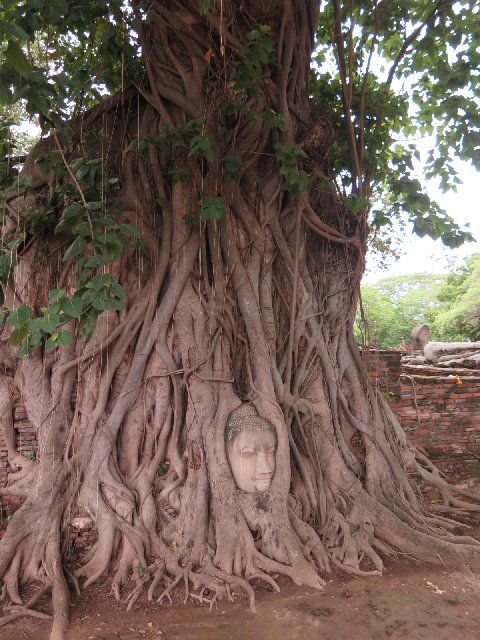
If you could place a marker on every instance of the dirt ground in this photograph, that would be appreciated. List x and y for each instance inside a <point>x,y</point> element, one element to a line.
<point>409,601</point>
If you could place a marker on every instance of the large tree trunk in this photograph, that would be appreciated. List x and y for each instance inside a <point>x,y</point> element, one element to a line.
<point>256,307</point>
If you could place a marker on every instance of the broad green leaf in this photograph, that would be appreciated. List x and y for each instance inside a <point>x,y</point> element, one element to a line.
<point>8,260</point>
<point>356,204</point>
<point>17,59</point>
<point>96,261</point>
<point>49,322</point>
<point>59,339</point>
<point>202,146</point>
<point>55,10</point>
<point>17,336</point>
<point>98,282</point>
<point>72,307</point>
<point>94,206</point>
<point>55,295</point>
<point>232,163</point>
<point>212,209</point>
<point>87,324</point>
<point>205,6</point>
<point>102,302</point>
<point>77,248</point>
<point>129,230</point>
<point>19,317</point>
<point>117,290</point>
<point>12,29</point>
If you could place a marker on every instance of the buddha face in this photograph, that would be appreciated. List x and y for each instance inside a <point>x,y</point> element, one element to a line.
<point>251,456</point>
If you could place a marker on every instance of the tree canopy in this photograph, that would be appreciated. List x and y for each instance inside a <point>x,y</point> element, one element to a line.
<point>457,317</point>
<point>383,76</point>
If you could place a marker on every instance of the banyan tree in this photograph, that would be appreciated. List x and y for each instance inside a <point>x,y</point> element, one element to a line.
<point>180,271</point>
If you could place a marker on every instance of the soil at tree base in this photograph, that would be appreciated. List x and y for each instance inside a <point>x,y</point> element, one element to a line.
<point>407,602</point>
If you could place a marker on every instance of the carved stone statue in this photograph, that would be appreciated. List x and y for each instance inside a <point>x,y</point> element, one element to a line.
<point>250,443</point>
<point>420,336</point>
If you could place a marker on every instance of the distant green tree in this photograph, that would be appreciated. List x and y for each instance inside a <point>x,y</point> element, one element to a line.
<point>393,306</point>
<point>458,315</point>
<point>378,325</point>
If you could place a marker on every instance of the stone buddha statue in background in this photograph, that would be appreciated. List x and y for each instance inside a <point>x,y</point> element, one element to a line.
<point>251,444</point>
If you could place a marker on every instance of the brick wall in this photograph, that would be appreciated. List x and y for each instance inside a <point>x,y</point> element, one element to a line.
<point>27,445</point>
<point>385,369</point>
<point>442,415</point>
<point>439,412</point>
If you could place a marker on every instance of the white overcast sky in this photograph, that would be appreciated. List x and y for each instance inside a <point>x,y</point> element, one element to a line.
<point>423,255</point>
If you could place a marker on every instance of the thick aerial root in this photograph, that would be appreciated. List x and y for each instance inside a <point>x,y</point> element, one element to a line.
<point>18,611</point>
<point>169,574</point>
<point>12,577</point>
<point>312,545</point>
<point>216,581</point>
<point>297,574</point>
<point>350,543</point>
<point>431,475</point>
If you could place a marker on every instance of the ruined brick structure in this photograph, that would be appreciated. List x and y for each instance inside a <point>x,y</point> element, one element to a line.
<point>27,445</point>
<point>438,408</point>
<point>442,415</point>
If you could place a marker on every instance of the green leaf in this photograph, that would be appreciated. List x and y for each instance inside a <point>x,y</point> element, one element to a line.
<point>96,261</point>
<point>71,216</point>
<point>18,335</point>
<point>72,308</point>
<point>55,295</point>
<point>49,322</point>
<point>64,338</point>
<point>212,209</point>
<point>12,29</point>
<point>19,317</point>
<point>205,6</point>
<point>356,204</point>
<point>274,120</point>
<point>180,175</point>
<point>232,163</point>
<point>8,260</point>
<point>202,146</point>
<point>17,59</point>
<point>94,206</point>
<point>82,172</point>
<point>77,248</point>
<point>54,10</point>
<point>87,324</point>
<point>51,342</point>
<point>102,302</point>
<point>191,218</point>
<point>98,282</point>
<point>117,290</point>
<point>128,230</point>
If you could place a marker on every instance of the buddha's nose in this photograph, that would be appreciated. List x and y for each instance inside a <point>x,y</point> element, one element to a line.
<point>264,465</point>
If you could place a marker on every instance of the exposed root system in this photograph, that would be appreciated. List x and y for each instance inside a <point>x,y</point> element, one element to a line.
<point>256,307</point>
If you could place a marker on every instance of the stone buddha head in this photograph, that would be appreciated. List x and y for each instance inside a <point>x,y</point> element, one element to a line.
<point>250,444</point>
